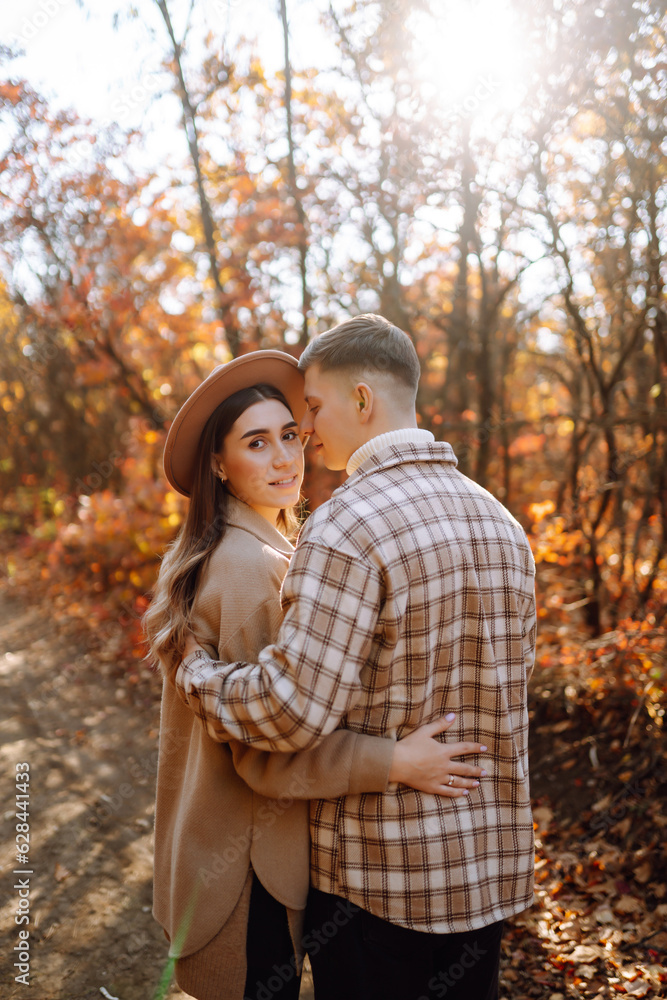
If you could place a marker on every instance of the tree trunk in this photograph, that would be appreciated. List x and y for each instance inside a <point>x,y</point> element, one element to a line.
<point>459,340</point>
<point>232,332</point>
<point>296,197</point>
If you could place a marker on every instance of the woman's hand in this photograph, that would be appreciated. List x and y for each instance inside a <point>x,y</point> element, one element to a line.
<point>427,765</point>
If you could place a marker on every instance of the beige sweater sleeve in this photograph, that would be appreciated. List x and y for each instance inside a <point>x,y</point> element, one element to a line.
<point>344,763</point>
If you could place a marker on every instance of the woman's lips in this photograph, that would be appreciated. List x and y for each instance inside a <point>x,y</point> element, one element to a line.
<point>285,484</point>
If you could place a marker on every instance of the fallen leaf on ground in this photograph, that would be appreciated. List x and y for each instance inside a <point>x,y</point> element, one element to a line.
<point>586,953</point>
<point>628,904</point>
<point>60,873</point>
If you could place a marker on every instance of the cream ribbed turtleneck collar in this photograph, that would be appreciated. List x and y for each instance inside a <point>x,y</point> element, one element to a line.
<point>406,435</point>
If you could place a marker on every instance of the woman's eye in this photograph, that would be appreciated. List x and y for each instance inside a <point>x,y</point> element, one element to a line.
<point>289,436</point>
<point>256,444</point>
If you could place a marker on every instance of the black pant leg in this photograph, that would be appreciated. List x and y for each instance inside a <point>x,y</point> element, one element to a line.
<point>334,942</point>
<point>269,950</point>
<point>466,966</point>
<point>355,955</point>
<point>359,956</point>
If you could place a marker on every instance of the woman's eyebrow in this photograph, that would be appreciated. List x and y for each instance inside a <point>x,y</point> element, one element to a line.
<point>265,430</point>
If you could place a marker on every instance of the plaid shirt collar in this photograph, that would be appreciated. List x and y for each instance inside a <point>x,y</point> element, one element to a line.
<point>401,454</point>
<point>402,435</point>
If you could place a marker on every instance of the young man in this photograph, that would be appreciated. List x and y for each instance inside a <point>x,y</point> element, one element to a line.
<point>410,594</point>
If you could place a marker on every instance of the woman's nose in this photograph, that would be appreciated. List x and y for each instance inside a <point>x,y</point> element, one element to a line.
<point>282,455</point>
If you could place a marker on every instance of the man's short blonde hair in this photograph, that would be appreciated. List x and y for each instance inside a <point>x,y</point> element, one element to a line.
<point>365,343</point>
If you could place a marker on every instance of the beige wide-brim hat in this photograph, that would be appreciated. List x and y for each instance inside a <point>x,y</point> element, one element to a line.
<point>270,367</point>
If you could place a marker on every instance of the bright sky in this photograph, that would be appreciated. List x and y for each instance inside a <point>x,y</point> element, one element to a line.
<point>75,57</point>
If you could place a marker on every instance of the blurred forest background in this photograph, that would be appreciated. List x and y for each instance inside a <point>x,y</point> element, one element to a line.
<point>504,202</point>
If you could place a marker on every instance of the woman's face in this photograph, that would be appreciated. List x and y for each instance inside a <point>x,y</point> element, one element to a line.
<point>262,458</point>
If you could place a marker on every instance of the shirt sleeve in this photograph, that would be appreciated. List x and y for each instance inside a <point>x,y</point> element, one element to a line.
<point>305,682</point>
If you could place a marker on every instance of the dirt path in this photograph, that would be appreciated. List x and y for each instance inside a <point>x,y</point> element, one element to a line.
<point>90,744</point>
<point>90,739</point>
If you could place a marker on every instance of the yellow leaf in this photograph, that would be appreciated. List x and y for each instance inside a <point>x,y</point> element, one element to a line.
<point>538,511</point>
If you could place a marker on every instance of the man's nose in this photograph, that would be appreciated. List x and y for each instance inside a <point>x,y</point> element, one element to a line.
<point>306,425</point>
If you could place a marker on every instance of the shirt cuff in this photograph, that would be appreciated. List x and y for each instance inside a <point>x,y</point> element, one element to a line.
<point>192,658</point>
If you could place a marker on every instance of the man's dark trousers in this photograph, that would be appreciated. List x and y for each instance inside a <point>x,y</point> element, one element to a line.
<point>361,957</point>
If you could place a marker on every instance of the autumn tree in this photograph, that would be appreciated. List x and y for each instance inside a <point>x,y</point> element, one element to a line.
<point>86,256</point>
<point>600,171</point>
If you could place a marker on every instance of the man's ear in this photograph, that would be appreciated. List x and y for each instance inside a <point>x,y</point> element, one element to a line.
<point>363,399</point>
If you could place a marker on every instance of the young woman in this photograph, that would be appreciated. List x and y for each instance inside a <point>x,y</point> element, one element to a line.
<point>231,822</point>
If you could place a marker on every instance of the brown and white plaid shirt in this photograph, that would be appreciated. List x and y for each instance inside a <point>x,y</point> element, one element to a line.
<point>410,594</point>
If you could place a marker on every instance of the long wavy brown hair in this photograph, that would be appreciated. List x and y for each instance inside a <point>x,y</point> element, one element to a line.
<point>169,616</point>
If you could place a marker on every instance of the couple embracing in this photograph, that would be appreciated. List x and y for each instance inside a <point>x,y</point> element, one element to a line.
<point>343,747</point>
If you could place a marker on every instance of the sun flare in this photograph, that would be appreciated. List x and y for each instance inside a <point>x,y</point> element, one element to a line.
<point>472,56</point>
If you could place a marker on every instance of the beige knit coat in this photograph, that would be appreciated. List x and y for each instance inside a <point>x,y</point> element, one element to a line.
<point>223,808</point>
